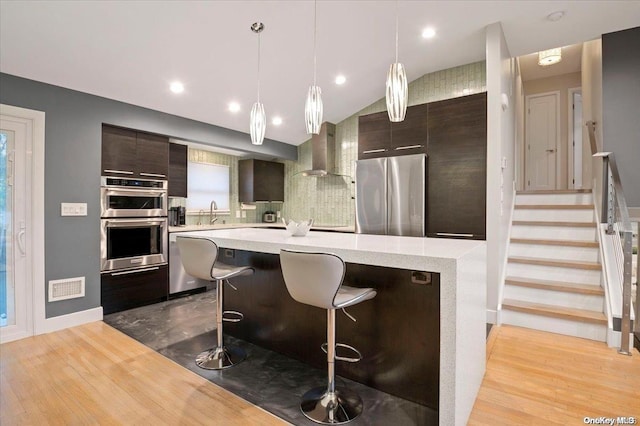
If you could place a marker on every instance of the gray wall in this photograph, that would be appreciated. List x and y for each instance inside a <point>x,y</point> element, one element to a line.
<point>72,170</point>
<point>621,106</point>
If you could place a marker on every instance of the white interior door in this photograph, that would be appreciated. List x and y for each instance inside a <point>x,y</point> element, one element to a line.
<point>542,141</point>
<point>16,318</point>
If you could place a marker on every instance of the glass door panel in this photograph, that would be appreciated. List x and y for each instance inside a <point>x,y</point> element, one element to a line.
<point>7,284</point>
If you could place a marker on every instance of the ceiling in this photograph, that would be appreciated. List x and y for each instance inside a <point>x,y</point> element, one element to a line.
<point>131,50</point>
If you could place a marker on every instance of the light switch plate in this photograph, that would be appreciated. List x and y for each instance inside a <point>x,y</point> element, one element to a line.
<point>73,209</point>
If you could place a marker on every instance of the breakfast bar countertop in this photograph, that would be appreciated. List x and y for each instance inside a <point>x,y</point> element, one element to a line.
<point>462,268</point>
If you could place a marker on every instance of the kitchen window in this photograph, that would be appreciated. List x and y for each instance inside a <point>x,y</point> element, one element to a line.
<point>207,182</point>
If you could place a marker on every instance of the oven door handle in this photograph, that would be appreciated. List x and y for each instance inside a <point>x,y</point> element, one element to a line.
<point>127,191</point>
<point>127,223</point>
<point>134,271</point>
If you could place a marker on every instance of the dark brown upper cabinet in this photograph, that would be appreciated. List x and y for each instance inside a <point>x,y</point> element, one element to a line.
<point>456,194</point>
<point>378,137</point>
<point>128,153</point>
<point>177,170</point>
<point>260,181</point>
<point>374,135</point>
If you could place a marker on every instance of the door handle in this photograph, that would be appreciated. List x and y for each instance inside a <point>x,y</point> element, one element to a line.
<point>551,150</point>
<point>21,235</point>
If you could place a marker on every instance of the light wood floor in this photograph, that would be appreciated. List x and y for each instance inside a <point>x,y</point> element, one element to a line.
<point>93,374</point>
<point>538,378</point>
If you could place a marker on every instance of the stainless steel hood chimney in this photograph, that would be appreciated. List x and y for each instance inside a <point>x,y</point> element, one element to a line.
<point>323,150</point>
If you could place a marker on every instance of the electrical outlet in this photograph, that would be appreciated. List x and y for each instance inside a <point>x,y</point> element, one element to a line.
<point>244,214</point>
<point>237,214</point>
<point>73,209</point>
<point>278,214</point>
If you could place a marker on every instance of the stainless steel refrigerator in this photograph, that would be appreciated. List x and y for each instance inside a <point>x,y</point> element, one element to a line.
<point>390,195</point>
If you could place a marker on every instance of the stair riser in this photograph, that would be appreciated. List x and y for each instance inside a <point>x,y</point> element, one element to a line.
<point>554,199</point>
<point>587,254</point>
<point>553,273</point>
<point>554,215</point>
<point>556,298</point>
<point>554,232</point>
<point>591,331</point>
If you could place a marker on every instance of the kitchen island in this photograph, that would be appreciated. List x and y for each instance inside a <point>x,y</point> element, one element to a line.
<point>451,272</point>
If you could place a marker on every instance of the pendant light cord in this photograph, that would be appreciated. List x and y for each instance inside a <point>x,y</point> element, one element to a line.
<point>315,19</point>
<point>258,67</point>
<point>396,31</point>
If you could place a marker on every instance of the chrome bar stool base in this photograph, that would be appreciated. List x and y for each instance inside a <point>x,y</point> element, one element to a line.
<point>344,406</point>
<point>220,358</point>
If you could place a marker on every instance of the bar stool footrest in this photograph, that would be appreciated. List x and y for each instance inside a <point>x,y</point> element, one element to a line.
<point>342,358</point>
<point>235,316</point>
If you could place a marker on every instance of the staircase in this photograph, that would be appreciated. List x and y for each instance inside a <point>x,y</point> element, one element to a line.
<point>553,271</point>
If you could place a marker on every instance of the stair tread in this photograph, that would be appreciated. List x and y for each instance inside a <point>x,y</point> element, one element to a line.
<point>555,311</point>
<point>569,243</point>
<point>555,285</point>
<point>554,223</point>
<point>555,191</point>
<point>553,206</point>
<point>579,264</point>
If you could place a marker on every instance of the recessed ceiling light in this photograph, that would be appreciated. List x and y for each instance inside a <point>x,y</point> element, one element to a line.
<point>429,32</point>
<point>341,79</point>
<point>176,87</point>
<point>276,121</point>
<point>234,107</point>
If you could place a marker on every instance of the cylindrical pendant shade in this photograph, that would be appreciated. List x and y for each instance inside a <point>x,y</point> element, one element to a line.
<point>397,92</point>
<point>257,124</point>
<point>313,110</point>
<point>549,57</point>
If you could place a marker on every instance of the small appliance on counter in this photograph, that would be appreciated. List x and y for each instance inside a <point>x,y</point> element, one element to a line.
<point>177,216</point>
<point>269,216</point>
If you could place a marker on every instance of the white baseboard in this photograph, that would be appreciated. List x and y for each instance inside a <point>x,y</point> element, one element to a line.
<point>70,320</point>
<point>492,316</point>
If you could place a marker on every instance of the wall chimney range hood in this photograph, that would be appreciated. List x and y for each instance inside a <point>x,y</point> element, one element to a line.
<point>323,149</point>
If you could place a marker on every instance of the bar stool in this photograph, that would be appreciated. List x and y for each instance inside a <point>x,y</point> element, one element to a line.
<point>316,279</point>
<point>199,258</point>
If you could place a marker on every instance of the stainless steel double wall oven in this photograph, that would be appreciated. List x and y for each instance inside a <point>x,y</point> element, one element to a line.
<point>133,224</point>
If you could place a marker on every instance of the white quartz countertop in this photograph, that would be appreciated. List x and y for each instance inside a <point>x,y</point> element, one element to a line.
<point>432,254</point>
<point>189,228</point>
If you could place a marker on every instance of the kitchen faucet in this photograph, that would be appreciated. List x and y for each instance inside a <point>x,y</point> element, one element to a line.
<point>212,208</point>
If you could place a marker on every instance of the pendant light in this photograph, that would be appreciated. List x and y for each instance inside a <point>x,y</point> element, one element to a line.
<point>313,106</point>
<point>258,120</point>
<point>397,91</point>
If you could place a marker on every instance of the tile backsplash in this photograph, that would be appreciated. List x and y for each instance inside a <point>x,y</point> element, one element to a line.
<point>330,200</point>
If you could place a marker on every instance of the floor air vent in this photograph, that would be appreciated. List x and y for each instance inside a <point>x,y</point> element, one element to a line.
<point>68,288</point>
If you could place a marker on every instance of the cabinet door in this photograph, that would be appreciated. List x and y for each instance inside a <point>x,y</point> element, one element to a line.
<point>118,151</point>
<point>268,181</point>
<point>374,135</point>
<point>177,170</point>
<point>410,136</point>
<point>121,291</point>
<point>152,154</point>
<point>457,167</point>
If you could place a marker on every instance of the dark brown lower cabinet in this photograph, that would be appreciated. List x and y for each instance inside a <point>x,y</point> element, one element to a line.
<point>129,289</point>
<point>457,188</point>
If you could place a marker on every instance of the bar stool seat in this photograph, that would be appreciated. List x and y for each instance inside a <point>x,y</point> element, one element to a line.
<point>316,279</point>
<point>200,259</point>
